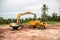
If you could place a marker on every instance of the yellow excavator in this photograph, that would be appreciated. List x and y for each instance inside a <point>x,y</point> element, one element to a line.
<point>32,23</point>
<point>16,25</point>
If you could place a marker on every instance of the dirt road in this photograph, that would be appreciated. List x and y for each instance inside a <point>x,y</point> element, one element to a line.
<point>51,33</point>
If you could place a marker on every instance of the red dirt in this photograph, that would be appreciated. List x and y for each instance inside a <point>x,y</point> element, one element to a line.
<point>51,33</point>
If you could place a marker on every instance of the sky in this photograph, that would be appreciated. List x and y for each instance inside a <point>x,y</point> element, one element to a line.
<point>11,8</point>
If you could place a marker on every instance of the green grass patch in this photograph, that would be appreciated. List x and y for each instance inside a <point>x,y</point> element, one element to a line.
<point>26,23</point>
<point>3,24</point>
<point>52,22</point>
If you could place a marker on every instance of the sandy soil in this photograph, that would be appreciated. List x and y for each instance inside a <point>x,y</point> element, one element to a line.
<point>51,33</point>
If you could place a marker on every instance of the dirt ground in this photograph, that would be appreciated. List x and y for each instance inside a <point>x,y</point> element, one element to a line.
<point>51,33</point>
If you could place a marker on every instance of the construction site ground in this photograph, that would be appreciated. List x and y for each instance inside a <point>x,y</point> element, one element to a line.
<point>52,32</point>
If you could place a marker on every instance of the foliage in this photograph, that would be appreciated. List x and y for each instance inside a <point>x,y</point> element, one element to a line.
<point>44,14</point>
<point>54,16</point>
<point>5,21</point>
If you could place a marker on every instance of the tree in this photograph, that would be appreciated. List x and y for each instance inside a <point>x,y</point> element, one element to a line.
<point>30,19</point>
<point>59,18</point>
<point>9,20</point>
<point>49,18</point>
<point>39,19</point>
<point>44,10</point>
<point>54,16</point>
<point>1,20</point>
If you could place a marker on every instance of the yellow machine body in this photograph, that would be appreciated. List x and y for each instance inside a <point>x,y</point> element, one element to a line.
<point>34,22</point>
<point>37,23</point>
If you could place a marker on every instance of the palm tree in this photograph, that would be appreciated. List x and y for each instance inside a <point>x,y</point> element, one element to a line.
<point>44,10</point>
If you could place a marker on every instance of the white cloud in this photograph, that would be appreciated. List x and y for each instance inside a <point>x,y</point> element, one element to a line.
<point>14,5</point>
<point>10,8</point>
